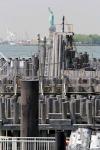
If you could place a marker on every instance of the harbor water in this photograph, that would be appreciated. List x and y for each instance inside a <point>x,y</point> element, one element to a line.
<point>27,51</point>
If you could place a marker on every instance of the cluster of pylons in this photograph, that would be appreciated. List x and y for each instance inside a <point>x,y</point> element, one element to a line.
<point>74,111</point>
<point>63,98</point>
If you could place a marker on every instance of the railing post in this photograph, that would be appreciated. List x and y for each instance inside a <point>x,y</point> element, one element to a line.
<point>14,144</point>
<point>35,144</point>
<point>0,142</point>
<point>22,145</point>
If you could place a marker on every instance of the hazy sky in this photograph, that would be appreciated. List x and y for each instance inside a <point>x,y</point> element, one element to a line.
<point>30,17</point>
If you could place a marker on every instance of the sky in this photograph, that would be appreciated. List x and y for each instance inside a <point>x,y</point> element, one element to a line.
<point>27,18</point>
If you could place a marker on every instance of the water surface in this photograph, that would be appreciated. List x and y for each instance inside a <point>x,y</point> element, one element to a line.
<point>27,51</point>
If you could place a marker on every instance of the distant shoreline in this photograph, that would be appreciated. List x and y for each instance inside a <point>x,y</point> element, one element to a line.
<point>87,44</point>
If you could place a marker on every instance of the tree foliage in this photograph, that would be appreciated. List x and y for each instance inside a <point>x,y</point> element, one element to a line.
<point>87,39</point>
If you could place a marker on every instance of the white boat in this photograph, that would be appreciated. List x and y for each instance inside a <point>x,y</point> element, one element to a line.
<point>12,43</point>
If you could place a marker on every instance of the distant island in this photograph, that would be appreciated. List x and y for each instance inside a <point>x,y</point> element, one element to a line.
<point>82,39</point>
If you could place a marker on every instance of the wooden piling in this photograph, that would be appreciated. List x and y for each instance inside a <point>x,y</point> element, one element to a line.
<point>56,106</point>
<point>60,141</point>
<point>26,68</point>
<point>15,110</point>
<point>29,108</point>
<point>89,111</point>
<point>64,110</point>
<point>43,113</point>
<point>82,107</point>
<point>72,111</point>
<point>50,105</point>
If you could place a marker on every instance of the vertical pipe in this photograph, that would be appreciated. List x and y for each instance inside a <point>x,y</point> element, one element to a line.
<point>29,108</point>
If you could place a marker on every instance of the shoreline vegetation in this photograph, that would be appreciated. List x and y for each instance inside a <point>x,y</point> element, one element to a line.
<point>87,40</point>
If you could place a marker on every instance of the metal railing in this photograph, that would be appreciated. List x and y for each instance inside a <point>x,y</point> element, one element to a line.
<point>35,143</point>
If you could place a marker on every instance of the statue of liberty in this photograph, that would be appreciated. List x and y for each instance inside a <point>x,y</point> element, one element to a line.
<point>51,21</point>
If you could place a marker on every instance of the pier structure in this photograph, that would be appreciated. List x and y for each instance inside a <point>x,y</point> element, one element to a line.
<point>69,88</point>
<point>55,113</point>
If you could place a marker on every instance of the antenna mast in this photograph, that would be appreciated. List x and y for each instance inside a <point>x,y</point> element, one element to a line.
<point>63,24</point>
